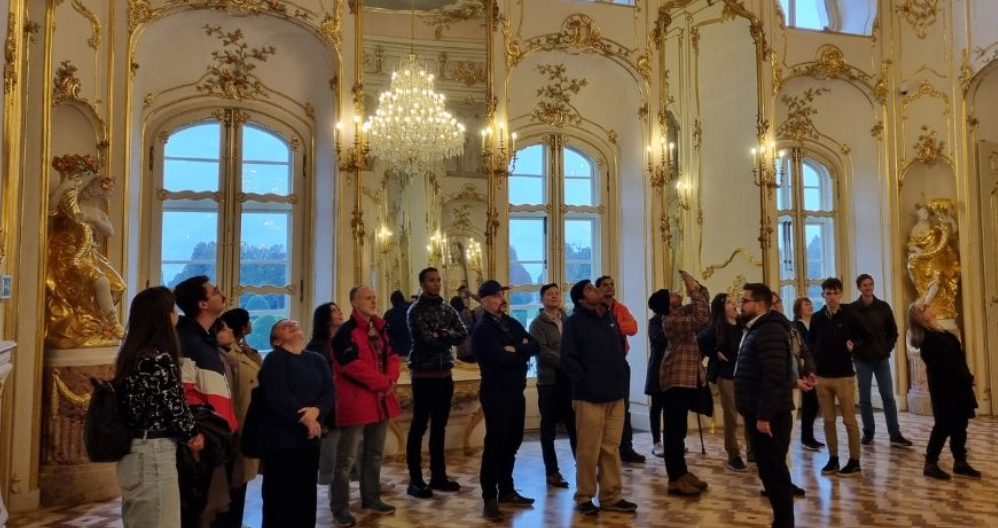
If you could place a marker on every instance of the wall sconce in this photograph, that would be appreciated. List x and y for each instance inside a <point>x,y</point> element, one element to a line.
<point>473,255</point>
<point>437,248</point>
<point>683,191</point>
<point>356,154</point>
<point>497,159</point>
<point>664,168</point>
<point>767,166</point>
<point>384,237</point>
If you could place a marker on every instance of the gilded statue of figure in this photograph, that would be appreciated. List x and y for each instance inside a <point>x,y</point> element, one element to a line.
<point>82,287</point>
<point>933,264</point>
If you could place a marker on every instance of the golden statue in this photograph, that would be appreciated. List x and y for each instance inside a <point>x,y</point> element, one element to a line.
<point>82,287</point>
<point>933,265</point>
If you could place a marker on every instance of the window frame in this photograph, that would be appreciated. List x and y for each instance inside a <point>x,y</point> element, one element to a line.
<point>231,202</point>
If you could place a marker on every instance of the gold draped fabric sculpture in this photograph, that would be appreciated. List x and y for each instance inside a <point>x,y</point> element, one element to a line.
<point>933,264</point>
<point>82,289</point>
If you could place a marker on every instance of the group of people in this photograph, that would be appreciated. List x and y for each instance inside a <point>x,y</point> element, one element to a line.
<point>317,412</point>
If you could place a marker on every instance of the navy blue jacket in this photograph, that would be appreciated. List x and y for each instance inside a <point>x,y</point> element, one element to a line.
<point>592,356</point>
<point>503,372</point>
<point>398,329</point>
<point>291,382</point>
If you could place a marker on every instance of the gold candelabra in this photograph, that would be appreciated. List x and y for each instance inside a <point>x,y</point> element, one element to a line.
<point>473,255</point>
<point>662,170</point>
<point>356,158</point>
<point>384,237</point>
<point>683,191</point>
<point>768,170</point>
<point>437,248</point>
<point>497,159</point>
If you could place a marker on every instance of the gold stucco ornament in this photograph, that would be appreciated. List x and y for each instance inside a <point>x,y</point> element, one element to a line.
<point>933,264</point>
<point>82,288</point>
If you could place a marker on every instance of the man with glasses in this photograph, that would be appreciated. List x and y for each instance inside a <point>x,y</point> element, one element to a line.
<point>503,349</point>
<point>764,379</point>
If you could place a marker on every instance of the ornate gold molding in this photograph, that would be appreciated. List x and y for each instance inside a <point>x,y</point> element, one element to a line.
<point>468,192</point>
<point>555,100</point>
<point>709,271</point>
<point>139,12</point>
<point>877,130</point>
<point>95,27</point>
<point>829,63</point>
<point>925,88</point>
<point>10,55</point>
<point>579,32</point>
<point>443,17</point>
<point>66,86</point>
<point>231,76</point>
<point>921,14</point>
<point>799,124</point>
<point>928,149</point>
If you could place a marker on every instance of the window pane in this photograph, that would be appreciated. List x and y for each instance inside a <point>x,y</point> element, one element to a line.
<point>526,190</point>
<point>580,253</point>
<point>810,176</point>
<point>530,160</point>
<point>818,188</point>
<point>785,243</point>
<point>183,175</point>
<point>820,238</point>
<point>814,293</point>
<point>527,251</point>
<point>266,178</point>
<point>199,141</point>
<point>260,145</point>
<point>809,14</point>
<point>188,248</point>
<point>524,305</point>
<point>788,292</point>
<point>265,310</point>
<point>263,251</point>
<point>579,191</point>
<point>785,5</point>
<point>577,165</point>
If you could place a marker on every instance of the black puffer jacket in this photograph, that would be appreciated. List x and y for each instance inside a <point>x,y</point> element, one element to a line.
<point>592,356</point>
<point>951,385</point>
<point>427,316</point>
<point>767,370</point>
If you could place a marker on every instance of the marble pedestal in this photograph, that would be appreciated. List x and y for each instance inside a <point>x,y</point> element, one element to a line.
<point>919,401</point>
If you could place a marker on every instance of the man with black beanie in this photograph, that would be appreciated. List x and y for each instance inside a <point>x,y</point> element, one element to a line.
<point>592,356</point>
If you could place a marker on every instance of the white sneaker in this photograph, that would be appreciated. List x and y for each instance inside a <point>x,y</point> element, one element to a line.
<point>658,450</point>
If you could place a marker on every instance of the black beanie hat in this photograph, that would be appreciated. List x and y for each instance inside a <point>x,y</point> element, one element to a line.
<point>659,302</point>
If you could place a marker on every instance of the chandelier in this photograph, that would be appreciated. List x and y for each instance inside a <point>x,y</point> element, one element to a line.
<point>412,132</point>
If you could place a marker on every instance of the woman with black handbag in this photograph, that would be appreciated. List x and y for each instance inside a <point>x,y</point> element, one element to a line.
<point>147,371</point>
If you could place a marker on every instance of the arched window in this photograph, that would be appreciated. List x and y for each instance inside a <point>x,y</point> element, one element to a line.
<point>844,16</point>
<point>555,221</point>
<point>806,232</point>
<point>227,204</point>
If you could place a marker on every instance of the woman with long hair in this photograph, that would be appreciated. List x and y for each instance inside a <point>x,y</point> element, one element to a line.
<point>326,320</point>
<point>298,387</point>
<point>803,310</point>
<point>148,375</point>
<point>951,387</point>
<point>719,341</point>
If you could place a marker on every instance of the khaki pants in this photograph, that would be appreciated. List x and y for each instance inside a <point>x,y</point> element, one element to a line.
<point>845,390</point>
<point>599,427</point>
<point>726,388</point>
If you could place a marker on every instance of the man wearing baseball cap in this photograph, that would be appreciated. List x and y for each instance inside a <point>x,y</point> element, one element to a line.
<point>503,349</point>
<point>592,356</point>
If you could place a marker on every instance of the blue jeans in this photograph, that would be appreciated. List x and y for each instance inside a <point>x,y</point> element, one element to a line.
<point>865,371</point>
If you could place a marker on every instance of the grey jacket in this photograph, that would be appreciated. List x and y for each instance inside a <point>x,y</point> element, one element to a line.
<point>546,332</point>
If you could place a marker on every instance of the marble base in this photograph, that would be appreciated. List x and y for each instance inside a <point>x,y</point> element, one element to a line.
<point>77,484</point>
<point>919,403</point>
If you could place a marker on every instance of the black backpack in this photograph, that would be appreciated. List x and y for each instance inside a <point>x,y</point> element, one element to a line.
<point>105,433</point>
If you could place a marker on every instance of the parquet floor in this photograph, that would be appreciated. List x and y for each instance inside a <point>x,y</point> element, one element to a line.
<point>892,493</point>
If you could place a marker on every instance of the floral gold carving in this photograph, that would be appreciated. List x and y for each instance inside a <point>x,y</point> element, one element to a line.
<point>925,88</point>
<point>921,14</point>
<point>761,127</point>
<point>580,31</point>
<point>829,63</point>
<point>880,90</point>
<point>644,67</point>
<point>10,55</point>
<point>878,130</point>
<point>612,137</point>
<point>66,84</point>
<point>443,17</point>
<point>231,76</point>
<point>330,27</point>
<point>928,149</point>
<point>697,134</point>
<point>966,72</point>
<point>555,105</point>
<point>468,72</point>
<point>139,12</point>
<point>95,28</point>
<point>799,124</point>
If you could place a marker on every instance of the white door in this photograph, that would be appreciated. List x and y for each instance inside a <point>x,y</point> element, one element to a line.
<point>987,163</point>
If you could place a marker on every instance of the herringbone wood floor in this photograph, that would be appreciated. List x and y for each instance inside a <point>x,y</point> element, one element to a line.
<point>890,494</point>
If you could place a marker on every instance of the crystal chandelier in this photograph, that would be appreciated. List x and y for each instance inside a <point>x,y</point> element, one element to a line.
<point>412,132</point>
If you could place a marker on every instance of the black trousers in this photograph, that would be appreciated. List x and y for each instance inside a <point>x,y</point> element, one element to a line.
<point>627,436</point>
<point>555,404</point>
<point>289,488</point>
<point>808,412</point>
<point>431,400</point>
<point>953,427</point>
<point>771,459</point>
<point>233,517</point>
<point>678,402</point>
<point>657,408</point>
<point>504,416</point>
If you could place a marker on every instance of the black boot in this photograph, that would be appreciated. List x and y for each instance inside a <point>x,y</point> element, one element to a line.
<point>932,470</point>
<point>962,468</point>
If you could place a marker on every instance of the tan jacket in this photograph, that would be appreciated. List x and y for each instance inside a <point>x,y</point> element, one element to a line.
<point>244,469</point>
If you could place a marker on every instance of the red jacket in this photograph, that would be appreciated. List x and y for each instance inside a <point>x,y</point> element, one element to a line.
<point>365,393</point>
<point>627,323</point>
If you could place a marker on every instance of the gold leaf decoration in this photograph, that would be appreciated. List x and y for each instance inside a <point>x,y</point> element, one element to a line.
<point>878,130</point>
<point>444,17</point>
<point>928,149</point>
<point>800,111</point>
<point>10,55</point>
<point>66,85</point>
<point>139,12</point>
<point>921,14</point>
<point>555,105</point>
<point>95,28</point>
<point>231,75</point>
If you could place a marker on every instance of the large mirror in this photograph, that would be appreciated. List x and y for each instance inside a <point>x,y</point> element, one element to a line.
<point>436,218</point>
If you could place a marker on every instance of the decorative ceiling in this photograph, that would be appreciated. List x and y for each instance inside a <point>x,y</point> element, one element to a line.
<point>406,5</point>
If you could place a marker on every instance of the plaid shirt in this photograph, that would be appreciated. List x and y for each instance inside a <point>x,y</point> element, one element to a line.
<point>682,366</point>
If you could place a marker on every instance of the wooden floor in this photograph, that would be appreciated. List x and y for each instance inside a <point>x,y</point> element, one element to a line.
<point>892,492</point>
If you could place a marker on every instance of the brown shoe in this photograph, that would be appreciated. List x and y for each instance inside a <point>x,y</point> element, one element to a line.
<point>684,487</point>
<point>555,479</point>
<point>701,485</point>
